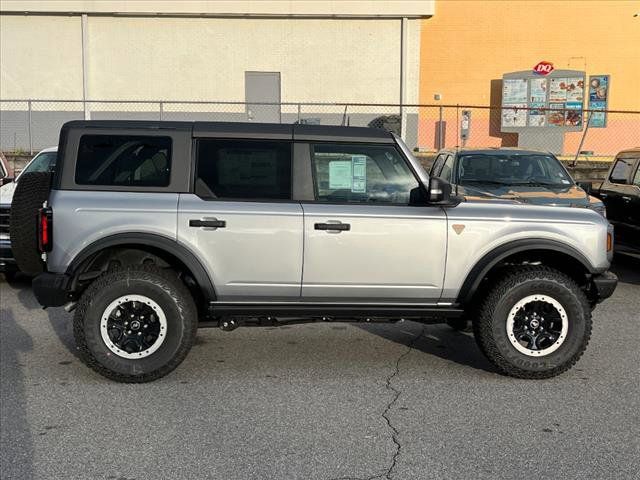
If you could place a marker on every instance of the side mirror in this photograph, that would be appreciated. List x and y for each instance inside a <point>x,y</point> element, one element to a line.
<point>586,186</point>
<point>439,191</point>
<point>6,180</point>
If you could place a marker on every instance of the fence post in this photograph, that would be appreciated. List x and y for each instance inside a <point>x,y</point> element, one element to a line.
<point>298,113</point>
<point>440,129</point>
<point>29,129</point>
<point>161,110</point>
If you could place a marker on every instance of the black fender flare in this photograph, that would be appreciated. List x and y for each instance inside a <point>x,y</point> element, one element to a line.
<point>491,259</point>
<point>160,242</point>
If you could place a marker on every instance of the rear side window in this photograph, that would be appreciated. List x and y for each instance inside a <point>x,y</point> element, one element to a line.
<point>244,169</point>
<point>621,170</point>
<point>124,160</point>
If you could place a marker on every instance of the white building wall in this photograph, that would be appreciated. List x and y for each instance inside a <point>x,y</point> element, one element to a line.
<point>320,60</point>
<point>149,58</point>
<point>40,57</point>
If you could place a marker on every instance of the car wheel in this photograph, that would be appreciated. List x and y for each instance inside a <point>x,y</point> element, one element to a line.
<point>535,323</point>
<point>135,324</point>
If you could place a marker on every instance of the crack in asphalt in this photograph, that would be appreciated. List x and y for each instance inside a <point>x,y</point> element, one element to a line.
<point>394,431</point>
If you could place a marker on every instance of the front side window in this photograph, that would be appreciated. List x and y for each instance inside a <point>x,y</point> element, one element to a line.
<point>447,169</point>
<point>244,169</point>
<point>437,165</point>
<point>516,169</point>
<point>361,174</point>
<point>636,178</point>
<point>124,160</point>
<point>621,170</point>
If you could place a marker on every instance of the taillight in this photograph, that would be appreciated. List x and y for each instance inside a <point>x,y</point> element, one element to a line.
<point>45,229</point>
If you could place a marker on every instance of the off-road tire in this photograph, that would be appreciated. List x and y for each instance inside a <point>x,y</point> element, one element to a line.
<point>490,326</point>
<point>31,192</point>
<point>162,286</point>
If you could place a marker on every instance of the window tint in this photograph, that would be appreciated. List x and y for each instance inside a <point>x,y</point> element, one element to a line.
<point>45,162</point>
<point>514,169</point>
<point>447,168</point>
<point>361,174</point>
<point>124,160</point>
<point>244,169</point>
<point>621,170</point>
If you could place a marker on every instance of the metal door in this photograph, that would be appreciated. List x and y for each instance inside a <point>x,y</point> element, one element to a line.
<point>260,88</point>
<point>373,253</point>
<point>252,250</point>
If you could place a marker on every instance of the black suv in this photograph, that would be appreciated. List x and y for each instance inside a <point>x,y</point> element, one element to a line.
<point>620,192</point>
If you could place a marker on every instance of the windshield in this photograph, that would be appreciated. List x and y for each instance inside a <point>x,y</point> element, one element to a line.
<point>516,169</point>
<point>45,162</point>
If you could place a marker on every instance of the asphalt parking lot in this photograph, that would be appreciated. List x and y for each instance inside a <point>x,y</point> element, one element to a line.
<point>319,401</point>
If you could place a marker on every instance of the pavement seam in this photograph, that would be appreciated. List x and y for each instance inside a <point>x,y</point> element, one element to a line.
<point>394,431</point>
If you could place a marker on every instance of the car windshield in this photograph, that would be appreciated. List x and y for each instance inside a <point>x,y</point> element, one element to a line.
<point>45,162</point>
<point>516,169</point>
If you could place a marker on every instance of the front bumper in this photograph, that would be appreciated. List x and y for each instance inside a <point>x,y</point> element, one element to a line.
<point>51,289</point>
<point>604,285</point>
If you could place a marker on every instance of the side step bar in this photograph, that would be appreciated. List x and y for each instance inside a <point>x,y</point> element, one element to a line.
<point>334,310</point>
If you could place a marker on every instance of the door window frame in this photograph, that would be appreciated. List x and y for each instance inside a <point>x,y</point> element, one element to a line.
<point>295,167</point>
<point>314,182</point>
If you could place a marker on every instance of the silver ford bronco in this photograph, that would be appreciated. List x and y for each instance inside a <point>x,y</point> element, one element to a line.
<point>149,230</point>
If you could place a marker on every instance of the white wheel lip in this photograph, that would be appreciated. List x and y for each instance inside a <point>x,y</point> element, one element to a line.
<point>563,332</point>
<point>162,319</point>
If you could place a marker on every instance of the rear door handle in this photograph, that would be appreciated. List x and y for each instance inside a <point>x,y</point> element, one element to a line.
<point>626,199</point>
<point>207,223</point>
<point>333,226</point>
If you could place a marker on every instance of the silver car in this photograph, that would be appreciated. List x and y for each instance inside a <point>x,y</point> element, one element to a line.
<point>150,229</point>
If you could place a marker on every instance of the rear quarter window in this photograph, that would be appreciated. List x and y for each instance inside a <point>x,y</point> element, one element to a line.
<point>621,170</point>
<point>124,160</point>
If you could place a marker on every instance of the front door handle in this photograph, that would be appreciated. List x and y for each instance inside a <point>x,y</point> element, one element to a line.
<point>333,226</point>
<point>207,223</point>
<point>626,199</point>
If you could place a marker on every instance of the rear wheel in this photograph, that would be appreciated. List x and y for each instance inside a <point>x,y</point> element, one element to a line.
<point>535,323</point>
<point>135,324</point>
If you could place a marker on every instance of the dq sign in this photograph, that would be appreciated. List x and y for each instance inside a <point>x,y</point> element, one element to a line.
<point>543,68</point>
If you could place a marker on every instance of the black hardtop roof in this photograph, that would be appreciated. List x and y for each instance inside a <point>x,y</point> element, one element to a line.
<point>494,151</point>
<point>271,131</point>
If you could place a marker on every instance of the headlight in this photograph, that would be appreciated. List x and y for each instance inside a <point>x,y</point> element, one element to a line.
<point>599,207</point>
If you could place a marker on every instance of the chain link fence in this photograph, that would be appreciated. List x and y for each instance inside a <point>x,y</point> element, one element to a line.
<point>30,125</point>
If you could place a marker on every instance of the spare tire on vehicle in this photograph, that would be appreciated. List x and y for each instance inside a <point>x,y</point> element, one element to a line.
<point>31,192</point>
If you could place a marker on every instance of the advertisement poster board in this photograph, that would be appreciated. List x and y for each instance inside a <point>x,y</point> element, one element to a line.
<point>514,115</point>
<point>575,90</point>
<point>514,91</point>
<point>573,114</point>
<point>537,115</point>
<point>555,115</point>
<point>537,90</point>
<point>558,90</point>
<point>598,98</point>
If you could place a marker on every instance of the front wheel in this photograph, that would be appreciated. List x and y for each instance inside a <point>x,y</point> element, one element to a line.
<point>535,323</point>
<point>135,324</point>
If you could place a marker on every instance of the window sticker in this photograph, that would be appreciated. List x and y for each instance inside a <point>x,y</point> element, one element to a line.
<point>359,169</point>
<point>340,174</point>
